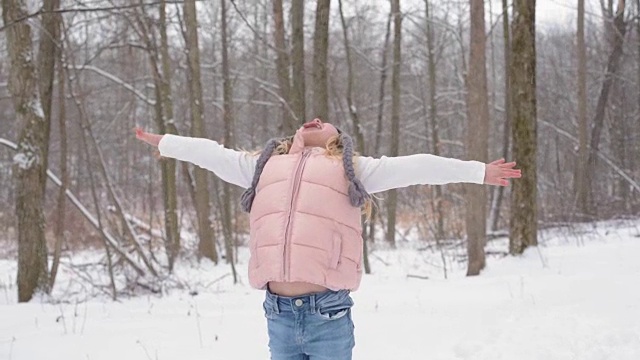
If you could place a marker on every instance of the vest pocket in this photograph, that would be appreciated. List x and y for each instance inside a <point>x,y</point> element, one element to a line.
<point>336,250</point>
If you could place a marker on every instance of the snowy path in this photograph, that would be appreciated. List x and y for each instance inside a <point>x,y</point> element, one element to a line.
<point>560,302</point>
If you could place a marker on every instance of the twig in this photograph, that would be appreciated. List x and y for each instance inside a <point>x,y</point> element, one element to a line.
<point>423,277</point>
<point>80,10</point>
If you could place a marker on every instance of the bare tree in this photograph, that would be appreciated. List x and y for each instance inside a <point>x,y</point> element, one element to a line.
<point>617,32</point>
<point>206,245</point>
<point>392,199</point>
<point>377,142</point>
<point>297,60</point>
<point>523,225</point>
<point>433,115</point>
<point>494,216</point>
<point>48,55</point>
<point>320,55</point>
<point>30,159</point>
<point>477,138</point>
<point>159,59</point>
<point>168,126</point>
<point>580,184</point>
<point>59,226</point>
<point>228,138</point>
<point>288,125</point>
<point>353,113</point>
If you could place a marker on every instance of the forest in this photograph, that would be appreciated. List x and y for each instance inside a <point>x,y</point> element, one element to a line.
<point>474,80</point>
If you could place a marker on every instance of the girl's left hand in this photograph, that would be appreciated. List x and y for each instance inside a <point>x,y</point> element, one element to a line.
<point>497,172</point>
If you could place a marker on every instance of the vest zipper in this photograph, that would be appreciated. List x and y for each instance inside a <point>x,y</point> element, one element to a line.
<point>294,195</point>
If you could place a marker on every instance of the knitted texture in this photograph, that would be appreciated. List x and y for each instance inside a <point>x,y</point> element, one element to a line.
<point>246,200</point>
<point>357,193</point>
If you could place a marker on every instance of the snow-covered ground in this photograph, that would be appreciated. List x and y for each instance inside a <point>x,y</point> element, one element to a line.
<point>577,296</point>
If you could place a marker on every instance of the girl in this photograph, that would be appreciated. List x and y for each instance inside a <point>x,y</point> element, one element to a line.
<point>304,207</point>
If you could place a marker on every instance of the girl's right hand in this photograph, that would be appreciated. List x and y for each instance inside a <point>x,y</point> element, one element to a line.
<point>149,138</point>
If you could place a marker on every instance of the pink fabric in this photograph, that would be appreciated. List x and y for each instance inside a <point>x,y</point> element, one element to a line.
<point>303,227</point>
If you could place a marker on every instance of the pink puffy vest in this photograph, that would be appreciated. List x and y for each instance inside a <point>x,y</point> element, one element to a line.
<point>303,227</point>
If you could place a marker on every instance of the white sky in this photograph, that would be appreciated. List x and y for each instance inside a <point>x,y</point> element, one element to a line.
<point>562,12</point>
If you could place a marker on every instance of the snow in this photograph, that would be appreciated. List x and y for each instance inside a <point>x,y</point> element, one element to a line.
<point>25,160</point>
<point>574,297</point>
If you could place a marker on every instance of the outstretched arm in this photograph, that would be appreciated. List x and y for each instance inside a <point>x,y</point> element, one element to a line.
<point>421,169</point>
<point>232,166</point>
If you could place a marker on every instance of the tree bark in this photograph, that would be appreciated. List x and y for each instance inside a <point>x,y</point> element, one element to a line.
<point>506,138</point>
<point>60,224</point>
<point>288,125</point>
<point>206,245</point>
<point>353,113</point>
<point>30,159</point>
<point>378,136</point>
<point>580,188</point>
<point>320,54</point>
<point>613,62</point>
<point>48,54</point>
<point>433,118</point>
<point>392,199</point>
<point>523,220</point>
<point>228,139</point>
<point>477,138</point>
<point>168,166</point>
<point>383,81</point>
<point>161,67</point>
<point>297,61</point>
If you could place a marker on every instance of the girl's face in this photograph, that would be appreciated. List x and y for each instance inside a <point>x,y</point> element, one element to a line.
<point>317,133</point>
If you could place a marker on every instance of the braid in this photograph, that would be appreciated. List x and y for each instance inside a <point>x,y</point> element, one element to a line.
<point>246,200</point>
<point>357,193</point>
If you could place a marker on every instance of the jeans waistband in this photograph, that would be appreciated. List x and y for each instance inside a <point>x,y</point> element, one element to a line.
<point>311,302</point>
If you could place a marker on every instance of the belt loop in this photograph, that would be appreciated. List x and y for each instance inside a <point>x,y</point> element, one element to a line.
<point>312,303</point>
<point>276,307</point>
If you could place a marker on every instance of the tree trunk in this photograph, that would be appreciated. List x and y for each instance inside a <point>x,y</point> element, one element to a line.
<point>477,138</point>
<point>580,188</point>
<point>320,53</point>
<point>289,123</point>
<point>58,230</point>
<point>383,80</point>
<point>297,61</point>
<point>613,63</point>
<point>433,119</point>
<point>227,95</point>
<point>392,199</point>
<point>523,221</point>
<point>353,113</point>
<point>30,159</point>
<point>378,142</point>
<point>497,202</point>
<point>168,166</point>
<point>48,54</point>
<point>206,245</point>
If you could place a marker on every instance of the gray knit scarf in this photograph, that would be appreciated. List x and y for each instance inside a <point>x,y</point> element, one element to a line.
<point>357,193</point>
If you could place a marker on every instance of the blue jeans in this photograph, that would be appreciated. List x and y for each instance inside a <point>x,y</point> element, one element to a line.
<point>313,327</point>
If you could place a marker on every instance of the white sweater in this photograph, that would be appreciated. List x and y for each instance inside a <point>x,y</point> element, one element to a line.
<point>237,167</point>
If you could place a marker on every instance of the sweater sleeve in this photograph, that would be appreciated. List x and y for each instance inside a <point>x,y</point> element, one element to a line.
<point>388,173</point>
<point>235,167</point>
